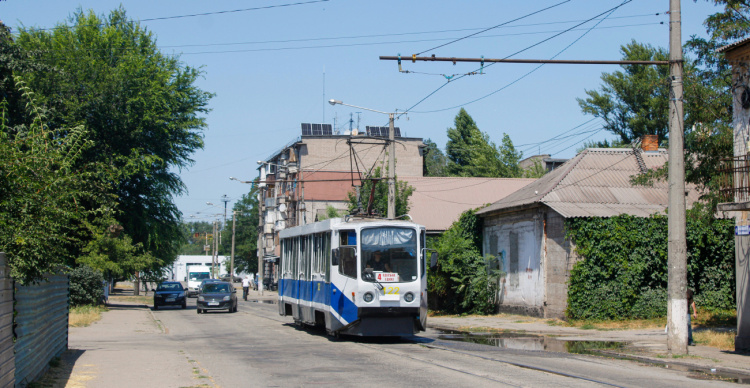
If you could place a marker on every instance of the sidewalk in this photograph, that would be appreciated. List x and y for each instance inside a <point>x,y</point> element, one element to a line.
<point>648,345</point>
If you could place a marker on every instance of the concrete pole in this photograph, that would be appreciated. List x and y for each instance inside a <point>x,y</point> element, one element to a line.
<point>391,169</point>
<point>215,249</point>
<point>231,262</point>
<point>677,252</point>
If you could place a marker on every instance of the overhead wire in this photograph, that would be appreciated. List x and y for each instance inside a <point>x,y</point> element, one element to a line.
<point>197,14</point>
<point>491,28</point>
<point>609,12</point>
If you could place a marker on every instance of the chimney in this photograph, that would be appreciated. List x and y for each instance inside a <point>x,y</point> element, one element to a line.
<point>650,143</point>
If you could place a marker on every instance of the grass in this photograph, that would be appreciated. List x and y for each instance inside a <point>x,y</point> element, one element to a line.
<point>82,316</point>
<point>131,299</point>
<point>720,339</point>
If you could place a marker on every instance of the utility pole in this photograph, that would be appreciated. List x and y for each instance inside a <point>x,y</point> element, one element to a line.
<point>215,252</point>
<point>677,309</point>
<point>391,169</point>
<point>231,262</point>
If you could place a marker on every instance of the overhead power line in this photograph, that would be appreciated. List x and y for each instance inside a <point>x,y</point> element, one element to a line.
<point>491,28</point>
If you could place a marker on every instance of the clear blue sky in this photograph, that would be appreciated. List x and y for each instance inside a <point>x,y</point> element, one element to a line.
<point>274,68</point>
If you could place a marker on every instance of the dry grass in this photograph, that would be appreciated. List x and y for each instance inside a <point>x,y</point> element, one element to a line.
<point>141,299</point>
<point>722,340</point>
<point>82,316</point>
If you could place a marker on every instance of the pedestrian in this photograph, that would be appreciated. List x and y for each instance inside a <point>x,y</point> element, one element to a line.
<point>691,303</point>
<point>245,287</point>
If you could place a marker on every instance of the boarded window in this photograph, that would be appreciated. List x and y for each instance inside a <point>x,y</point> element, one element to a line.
<point>513,260</point>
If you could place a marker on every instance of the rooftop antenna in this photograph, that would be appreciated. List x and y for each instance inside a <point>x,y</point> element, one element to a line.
<point>351,121</point>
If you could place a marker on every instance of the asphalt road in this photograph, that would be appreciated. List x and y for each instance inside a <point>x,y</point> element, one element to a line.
<point>257,347</point>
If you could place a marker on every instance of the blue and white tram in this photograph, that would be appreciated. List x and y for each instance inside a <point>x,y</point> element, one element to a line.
<point>329,276</point>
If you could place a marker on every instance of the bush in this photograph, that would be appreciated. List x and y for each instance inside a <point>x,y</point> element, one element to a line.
<point>623,273</point>
<point>86,286</point>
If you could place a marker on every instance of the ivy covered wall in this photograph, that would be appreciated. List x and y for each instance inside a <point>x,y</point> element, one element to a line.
<point>623,273</point>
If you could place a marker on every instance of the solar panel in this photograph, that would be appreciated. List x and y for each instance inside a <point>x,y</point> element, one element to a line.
<point>382,131</point>
<point>316,129</point>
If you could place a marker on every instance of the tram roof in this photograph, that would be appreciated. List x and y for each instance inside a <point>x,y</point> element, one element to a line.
<point>341,223</point>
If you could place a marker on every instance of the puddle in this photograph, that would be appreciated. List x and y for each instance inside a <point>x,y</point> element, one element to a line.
<point>524,341</point>
<point>263,301</point>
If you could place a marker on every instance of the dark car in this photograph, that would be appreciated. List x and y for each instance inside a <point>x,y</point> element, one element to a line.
<point>217,296</point>
<point>169,294</point>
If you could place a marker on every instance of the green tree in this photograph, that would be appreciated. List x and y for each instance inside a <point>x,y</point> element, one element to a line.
<point>113,253</point>
<point>380,195</point>
<point>633,102</point>
<point>464,281</point>
<point>435,163</point>
<point>471,153</point>
<point>141,108</point>
<point>195,237</point>
<point>247,214</point>
<point>42,190</point>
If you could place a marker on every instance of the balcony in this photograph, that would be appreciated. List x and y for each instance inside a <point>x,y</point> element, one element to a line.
<point>734,183</point>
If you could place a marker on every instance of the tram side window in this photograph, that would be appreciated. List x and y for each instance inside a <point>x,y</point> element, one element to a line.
<point>348,253</point>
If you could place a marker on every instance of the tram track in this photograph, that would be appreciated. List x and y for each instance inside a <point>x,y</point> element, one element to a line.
<point>463,353</point>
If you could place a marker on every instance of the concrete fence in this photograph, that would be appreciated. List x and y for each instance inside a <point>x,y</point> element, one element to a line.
<point>38,332</point>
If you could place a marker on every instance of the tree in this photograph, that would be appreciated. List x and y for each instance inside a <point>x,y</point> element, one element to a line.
<point>435,163</point>
<point>247,215</point>
<point>633,102</point>
<point>114,254</point>
<point>195,237</point>
<point>380,195</point>
<point>471,153</point>
<point>41,190</point>
<point>141,108</point>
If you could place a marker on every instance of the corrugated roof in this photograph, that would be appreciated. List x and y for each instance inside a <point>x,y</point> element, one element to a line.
<point>596,183</point>
<point>732,45</point>
<point>437,202</point>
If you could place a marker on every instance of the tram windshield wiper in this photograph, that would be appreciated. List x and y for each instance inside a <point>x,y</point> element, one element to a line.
<point>369,276</point>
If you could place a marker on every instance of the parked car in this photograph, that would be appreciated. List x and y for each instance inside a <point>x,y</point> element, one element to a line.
<point>235,278</point>
<point>217,296</point>
<point>169,294</point>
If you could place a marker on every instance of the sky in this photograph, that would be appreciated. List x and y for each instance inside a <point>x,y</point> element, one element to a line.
<point>274,65</point>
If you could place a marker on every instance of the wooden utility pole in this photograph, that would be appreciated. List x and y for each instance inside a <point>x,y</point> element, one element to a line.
<point>677,309</point>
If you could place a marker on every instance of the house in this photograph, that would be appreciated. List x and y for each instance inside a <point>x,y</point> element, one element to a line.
<point>526,228</point>
<point>437,202</point>
<point>738,179</point>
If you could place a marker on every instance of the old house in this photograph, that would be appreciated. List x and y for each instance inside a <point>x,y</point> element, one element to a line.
<point>526,229</point>
<point>738,183</point>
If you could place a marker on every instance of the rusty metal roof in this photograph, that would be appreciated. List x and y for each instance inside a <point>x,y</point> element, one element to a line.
<point>596,183</point>
<point>437,202</point>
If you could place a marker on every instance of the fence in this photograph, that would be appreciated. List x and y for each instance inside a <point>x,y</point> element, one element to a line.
<point>40,326</point>
<point>7,358</point>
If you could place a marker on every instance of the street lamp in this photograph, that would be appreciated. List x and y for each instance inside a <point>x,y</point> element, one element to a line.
<point>391,157</point>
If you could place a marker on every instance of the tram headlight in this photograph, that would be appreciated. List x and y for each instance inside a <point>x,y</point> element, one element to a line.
<point>409,297</point>
<point>368,297</point>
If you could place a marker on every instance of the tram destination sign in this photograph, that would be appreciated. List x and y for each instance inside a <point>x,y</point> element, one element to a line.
<point>385,277</point>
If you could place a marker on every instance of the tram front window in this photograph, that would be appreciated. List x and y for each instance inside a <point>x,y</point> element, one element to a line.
<point>389,254</point>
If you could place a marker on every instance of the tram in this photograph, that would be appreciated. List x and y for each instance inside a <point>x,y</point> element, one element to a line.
<point>360,277</point>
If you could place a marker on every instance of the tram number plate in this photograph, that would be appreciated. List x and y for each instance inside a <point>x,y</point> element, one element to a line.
<point>387,277</point>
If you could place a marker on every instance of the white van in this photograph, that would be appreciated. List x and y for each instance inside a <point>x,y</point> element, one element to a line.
<point>196,274</point>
